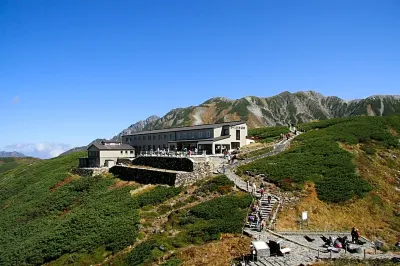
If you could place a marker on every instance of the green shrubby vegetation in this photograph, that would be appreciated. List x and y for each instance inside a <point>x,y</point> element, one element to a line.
<point>317,156</point>
<point>157,195</point>
<point>220,183</point>
<point>8,163</point>
<point>206,221</point>
<point>268,134</point>
<point>48,215</point>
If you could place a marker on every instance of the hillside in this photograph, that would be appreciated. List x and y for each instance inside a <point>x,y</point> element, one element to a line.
<point>48,215</point>
<point>282,109</point>
<point>8,163</point>
<point>11,154</point>
<point>344,172</point>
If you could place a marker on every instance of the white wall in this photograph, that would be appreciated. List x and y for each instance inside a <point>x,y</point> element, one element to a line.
<point>114,155</point>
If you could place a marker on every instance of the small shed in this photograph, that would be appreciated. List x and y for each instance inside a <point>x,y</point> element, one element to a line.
<point>261,248</point>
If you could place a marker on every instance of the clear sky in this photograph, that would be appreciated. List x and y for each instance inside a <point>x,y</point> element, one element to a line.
<point>72,71</point>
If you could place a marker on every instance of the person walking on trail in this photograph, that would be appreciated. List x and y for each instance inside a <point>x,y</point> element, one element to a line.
<point>254,188</point>
<point>262,224</point>
<point>262,192</point>
<point>353,234</point>
<point>269,199</point>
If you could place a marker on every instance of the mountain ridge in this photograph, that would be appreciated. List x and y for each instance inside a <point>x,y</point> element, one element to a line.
<point>11,154</point>
<point>279,110</point>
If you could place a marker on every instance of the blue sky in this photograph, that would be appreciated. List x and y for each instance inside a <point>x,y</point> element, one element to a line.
<point>72,71</point>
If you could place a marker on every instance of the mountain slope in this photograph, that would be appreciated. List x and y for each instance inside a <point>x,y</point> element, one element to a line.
<point>11,154</point>
<point>282,109</point>
<point>8,163</point>
<point>344,173</point>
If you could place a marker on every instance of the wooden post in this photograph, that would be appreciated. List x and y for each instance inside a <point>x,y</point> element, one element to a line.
<point>364,254</point>
<point>330,254</point>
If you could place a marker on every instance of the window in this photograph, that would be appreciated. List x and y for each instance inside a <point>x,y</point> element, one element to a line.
<point>122,152</point>
<point>154,137</point>
<point>140,138</point>
<point>225,131</point>
<point>178,135</point>
<point>130,140</point>
<point>237,134</point>
<point>192,135</point>
<point>126,152</point>
<point>208,133</point>
<point>200,134</point>
<point>148,147</point>
<point>134,138</point>
<point>159,137</point>
<point>131,152</point>
<point>170,136</point>
<point>149,137</point>
<point>184,135</point>
<point>126,139</point>
<point>144,147</point>
<point>165,136</point>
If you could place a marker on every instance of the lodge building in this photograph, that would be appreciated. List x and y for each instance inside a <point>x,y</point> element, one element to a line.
<point>212,138</point>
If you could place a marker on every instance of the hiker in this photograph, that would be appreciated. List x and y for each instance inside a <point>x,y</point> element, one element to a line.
<point>262,185</point>
<point>262,224</point>
<point>262,192</point>
<point>353,234</point>
<point>357,235</point>
<point>269,199</point>
<point>254,188</point>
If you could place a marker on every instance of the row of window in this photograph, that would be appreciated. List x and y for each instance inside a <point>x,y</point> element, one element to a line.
<point>126,152</point>
<point>179,135</point>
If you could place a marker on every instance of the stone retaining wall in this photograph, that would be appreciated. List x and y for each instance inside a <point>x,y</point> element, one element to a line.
<point>144,176</point>
<point>89,171</point>
<point>201,169</point>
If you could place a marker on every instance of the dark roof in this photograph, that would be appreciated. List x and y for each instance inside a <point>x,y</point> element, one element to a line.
<point>112,147</point>
<point>198,140</point>
<point>110,141</point>
<point>234,123</point>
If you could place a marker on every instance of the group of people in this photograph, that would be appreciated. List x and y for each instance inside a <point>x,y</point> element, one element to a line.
<point>255,216</point>
<point>229,156</point>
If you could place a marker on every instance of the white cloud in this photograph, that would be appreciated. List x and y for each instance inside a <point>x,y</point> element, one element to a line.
<point>41,150</point>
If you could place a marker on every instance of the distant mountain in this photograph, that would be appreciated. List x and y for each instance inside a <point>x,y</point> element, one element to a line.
<point>138,126</point>
<point>81,148</point>
<point>11,154</point>
<point>282,109</point>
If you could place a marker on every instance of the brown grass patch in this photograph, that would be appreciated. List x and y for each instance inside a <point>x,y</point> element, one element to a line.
<point>65,181</point>
<point>143,189</point>
<point>120,184</point>
<point>216,253</point>
<point>374,214</point>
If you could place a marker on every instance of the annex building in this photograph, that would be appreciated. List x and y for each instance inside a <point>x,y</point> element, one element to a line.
<point>212,138</point>
<point>106,154</point>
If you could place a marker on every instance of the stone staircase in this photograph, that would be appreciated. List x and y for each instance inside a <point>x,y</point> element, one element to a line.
<point>265,207</point>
